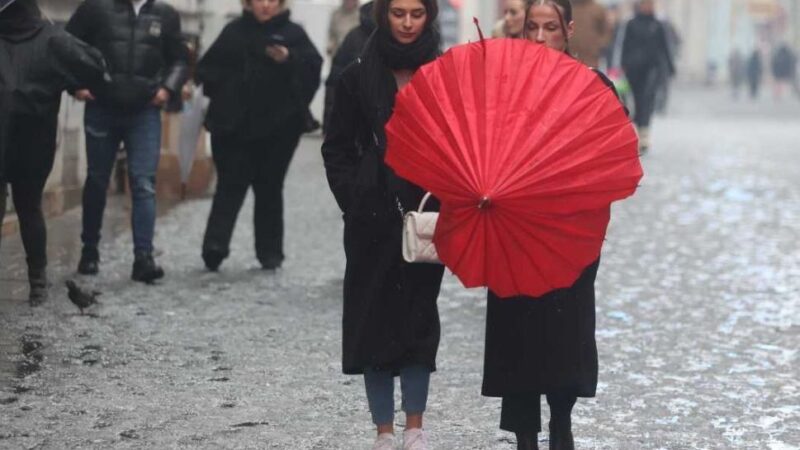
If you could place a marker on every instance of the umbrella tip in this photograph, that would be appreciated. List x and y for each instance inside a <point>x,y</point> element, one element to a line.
<point>478,26</point>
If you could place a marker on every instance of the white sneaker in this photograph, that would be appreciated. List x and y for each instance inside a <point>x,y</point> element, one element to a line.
<point>385,441</point>
<point>415,439</point>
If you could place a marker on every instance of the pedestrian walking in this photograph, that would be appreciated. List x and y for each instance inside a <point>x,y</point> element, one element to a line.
<point>736,71</point>
<point>545,345</point>
<point>38,61</point>
<point>593,32</point>
<point>343,20</point>
<point>784,69</point>
<point>260,75</point>
<point>349,51</point>
<point>141,40</point>
<point>391,319</point>
<point>645,51</point>
<point>755,72</point>
<point>513,22</point>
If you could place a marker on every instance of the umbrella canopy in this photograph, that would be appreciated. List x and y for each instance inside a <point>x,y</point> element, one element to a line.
<point>526,148</point>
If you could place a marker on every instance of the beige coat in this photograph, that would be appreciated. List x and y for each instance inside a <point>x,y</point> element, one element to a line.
<point>342,22</point>
<point>592,31</point>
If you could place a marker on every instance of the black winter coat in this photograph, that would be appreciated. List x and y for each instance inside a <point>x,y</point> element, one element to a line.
<point>349,51</point>
<point>543,345</point>
<point>37,63</point>
<point>144,53</point>
<point>252,95</point>
<point>645,46</point>
<point>391,319</point>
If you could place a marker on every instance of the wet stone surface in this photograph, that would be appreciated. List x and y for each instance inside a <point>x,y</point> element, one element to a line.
<point>698,320</point>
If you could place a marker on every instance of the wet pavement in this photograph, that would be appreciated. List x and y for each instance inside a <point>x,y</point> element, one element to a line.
<point>698,319</point>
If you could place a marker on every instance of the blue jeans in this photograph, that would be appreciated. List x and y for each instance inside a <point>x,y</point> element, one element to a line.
<point>414,382</point>
<point>140,131</point>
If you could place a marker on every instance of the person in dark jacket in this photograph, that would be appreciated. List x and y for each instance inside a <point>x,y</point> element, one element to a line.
<point>544,345</point>
<point>391,319</point>
<point>784,69</point>
<point>350,49</point>
<point>755,72</point>
<point>260,75</point>
<point>645,53</point>
<point>147,58</point>
<point>37,63</point>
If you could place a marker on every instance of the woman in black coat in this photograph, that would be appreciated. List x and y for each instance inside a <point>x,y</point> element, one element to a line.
<point>545,345</point>
<point>38,61</point>
<point>260,74</point>
<point>391,320</point>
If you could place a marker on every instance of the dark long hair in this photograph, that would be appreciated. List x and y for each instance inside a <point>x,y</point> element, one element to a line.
<point>381,11</point>
<point>562,7</point>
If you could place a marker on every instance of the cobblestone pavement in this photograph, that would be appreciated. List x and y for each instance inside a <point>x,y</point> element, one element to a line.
<point>698,320</point>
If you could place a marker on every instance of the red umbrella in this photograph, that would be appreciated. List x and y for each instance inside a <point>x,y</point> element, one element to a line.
<point>526,148</point>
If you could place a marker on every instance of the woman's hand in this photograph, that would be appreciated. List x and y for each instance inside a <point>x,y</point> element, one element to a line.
<point>84,95</point>
<point>161,98</point>
<point>278,53</point>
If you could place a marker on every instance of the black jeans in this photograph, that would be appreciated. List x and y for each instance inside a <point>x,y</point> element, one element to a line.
<point>644,84</point>
<point>522,413</point>
<point>241,164</point>
<point>28,162</point>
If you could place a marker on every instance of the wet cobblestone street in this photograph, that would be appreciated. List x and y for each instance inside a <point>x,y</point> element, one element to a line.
<point>698,319</point>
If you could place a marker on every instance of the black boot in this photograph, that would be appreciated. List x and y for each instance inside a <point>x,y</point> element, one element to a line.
<point>90,261</point>
<point>527,441</point>
<point>213,258</point>
<point>145,269</point>
<point>39,287</point>
<point>561,422</point>
<point>271,262</point>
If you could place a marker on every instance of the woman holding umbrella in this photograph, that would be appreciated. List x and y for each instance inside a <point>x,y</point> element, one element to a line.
<point>545,345</point>
<point>391,320</point>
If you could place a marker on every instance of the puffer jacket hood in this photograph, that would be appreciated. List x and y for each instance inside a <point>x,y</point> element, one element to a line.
<point>21,21</point>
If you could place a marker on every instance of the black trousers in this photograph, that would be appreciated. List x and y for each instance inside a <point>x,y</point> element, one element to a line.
<point>27,164</point>
<point>241,164</point>
<point>644,84</point>
<point>522,413</point>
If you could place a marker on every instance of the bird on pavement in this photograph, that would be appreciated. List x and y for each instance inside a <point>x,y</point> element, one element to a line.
<point>81,298</point>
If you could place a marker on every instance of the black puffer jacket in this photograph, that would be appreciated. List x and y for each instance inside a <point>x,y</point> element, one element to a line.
<point>645,46</point>
<point>252,95</point>
<point>144,52</point>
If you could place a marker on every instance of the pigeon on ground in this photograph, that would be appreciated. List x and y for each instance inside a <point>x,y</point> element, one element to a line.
<point>81,298</point>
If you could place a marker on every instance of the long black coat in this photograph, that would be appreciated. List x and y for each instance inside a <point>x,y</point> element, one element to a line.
<point>349,51</point>
<point>543,345</point>
<point>391,318</point>
<point>251,95</point>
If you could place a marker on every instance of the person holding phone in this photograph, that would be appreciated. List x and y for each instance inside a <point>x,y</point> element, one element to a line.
<point>260,74</point>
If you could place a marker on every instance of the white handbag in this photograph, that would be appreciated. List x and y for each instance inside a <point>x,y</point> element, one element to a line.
<point>418,229</point>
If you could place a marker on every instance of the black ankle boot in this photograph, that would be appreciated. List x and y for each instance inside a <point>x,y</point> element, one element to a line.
<point>145,269</point>
<point>39,287</point>
<point>213,258</point>
<point>527,441</point>
<point>90,261</point>
<point>561,434</point>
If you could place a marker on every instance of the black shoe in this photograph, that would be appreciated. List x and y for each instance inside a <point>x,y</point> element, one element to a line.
<point>39,287</point>
<point>561,436</point>
<point>90,261</point>
<point>527,441</point>
<point>213,259</point>
<point>271,262</point>
<point>145,269</point>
